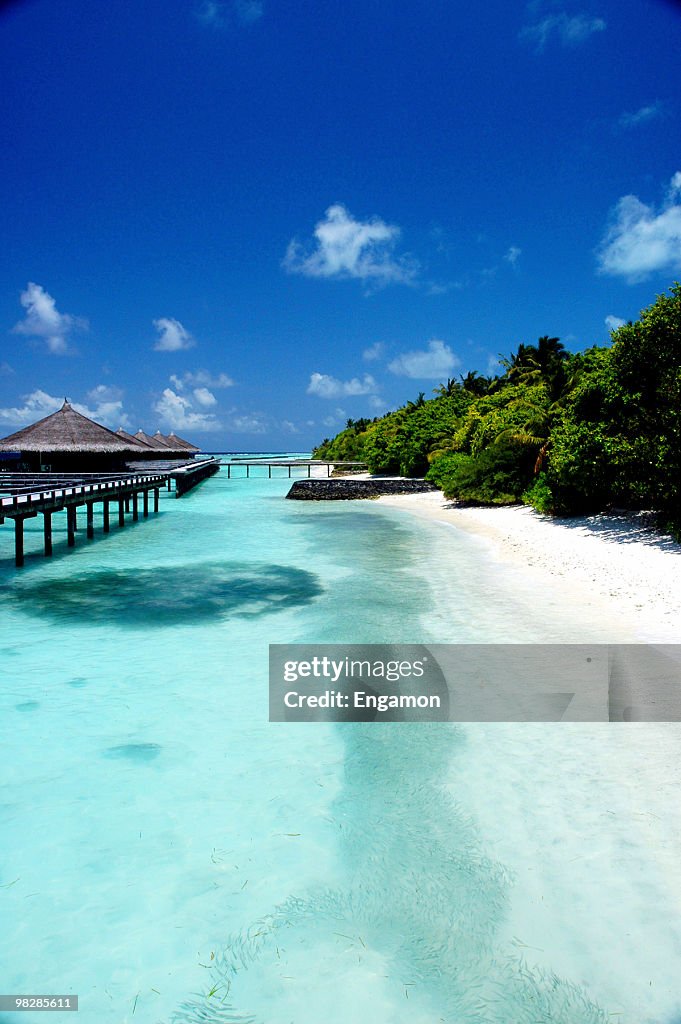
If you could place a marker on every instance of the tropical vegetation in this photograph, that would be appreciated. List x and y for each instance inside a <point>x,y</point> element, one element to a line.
<point>569,433</point>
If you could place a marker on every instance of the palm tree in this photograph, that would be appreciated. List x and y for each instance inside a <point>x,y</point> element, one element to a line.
<point>475,383</point>
<point>446,389</point>
<point>520,366</point>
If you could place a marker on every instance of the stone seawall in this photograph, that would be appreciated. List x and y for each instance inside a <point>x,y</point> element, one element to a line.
<point>345,489</point>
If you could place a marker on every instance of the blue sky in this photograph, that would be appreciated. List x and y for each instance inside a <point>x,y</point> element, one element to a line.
<point>251,220</point>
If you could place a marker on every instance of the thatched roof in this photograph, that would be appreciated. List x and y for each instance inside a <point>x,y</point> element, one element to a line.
<point>67,431</point>
<point>152,442</point>
<point>181,443</point>
<point>158,436</point>
<point>160,443</point>
<point>133,440</point>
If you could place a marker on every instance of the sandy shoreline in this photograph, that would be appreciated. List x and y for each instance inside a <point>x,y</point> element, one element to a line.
<point>584,816</point>
<point>615,565</point>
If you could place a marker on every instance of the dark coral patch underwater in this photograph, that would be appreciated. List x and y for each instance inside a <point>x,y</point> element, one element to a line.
<point>169,596</point>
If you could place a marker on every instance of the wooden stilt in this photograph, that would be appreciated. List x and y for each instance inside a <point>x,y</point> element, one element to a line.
<point>47,533</point>
<point>121,512</point>
<point>19,542</point>
<point>90,519</point>
<point>135,514</point>
<point>145,504</point>
<point>105,514</point>
<point>71,525</point>
<point>156,497</point>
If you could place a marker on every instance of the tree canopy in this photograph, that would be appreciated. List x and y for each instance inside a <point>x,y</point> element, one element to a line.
<point>569,433</point>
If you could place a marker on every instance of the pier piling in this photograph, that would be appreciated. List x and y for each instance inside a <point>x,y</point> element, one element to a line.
<point>47,533</point>
<point>25,496</point>
<point>71,525</point>
<point>19,541</point>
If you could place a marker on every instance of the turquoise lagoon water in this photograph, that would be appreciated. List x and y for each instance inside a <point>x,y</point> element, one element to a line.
<point>170,856</point>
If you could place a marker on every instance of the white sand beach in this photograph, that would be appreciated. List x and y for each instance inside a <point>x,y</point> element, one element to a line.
<point>617,565</point>
<point>585,816</point>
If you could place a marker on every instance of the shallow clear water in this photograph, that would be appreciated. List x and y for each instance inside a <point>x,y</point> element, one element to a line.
<point>171,856</point>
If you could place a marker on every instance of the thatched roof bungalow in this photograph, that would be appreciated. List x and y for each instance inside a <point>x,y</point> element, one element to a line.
<point>179,442</point>
<point>162,449</point>
<point>129,437</point>
<point>68,442</point>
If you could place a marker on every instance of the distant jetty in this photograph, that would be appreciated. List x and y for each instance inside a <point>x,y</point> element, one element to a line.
<point>347,488</point>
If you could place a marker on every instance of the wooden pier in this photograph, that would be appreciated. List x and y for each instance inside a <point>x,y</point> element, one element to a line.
<point>26,503</point>
<point>289,464</point>
<point>192,474</point>
<point>27,495</point>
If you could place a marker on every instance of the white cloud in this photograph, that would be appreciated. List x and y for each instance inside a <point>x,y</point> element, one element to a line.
<point>613,322</point>
<point>36,405</point>
<point>200,378</point>
<point>373,352</point>
<point>178,413</point>
<point>222,15</point>
<point>288,427</point>
<point>324,386</point>
<point>566,29</point>
<point>641,116</point>
<point>349,248</point>
<point>641,239</point>
<point>104,406</point>
<point>248,11</point>
<point>6,370</point>
<point>43,320</point>
<point>173,337</point>
<point>205,398</point>
<point>512,255</point>
<point>248,423</point>
<point>214,15</point>
<point>443,287</point>
<point>434,363</point>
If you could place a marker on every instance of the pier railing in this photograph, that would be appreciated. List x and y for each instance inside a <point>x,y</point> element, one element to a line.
<point>289,464</point>
<point>24,504</point>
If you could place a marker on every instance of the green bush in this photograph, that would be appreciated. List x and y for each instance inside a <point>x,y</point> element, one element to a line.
<point>499,475</point>
<point>540,496</point>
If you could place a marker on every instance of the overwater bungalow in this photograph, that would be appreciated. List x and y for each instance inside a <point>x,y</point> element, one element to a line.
<point>68,442</point>
<point>179,442</point>
<point>161,448</point>
<point>130,437</point>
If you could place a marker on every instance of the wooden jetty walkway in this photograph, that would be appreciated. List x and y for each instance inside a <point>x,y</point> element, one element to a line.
<point>27,495</point>
<point>289,464</point>
<point>27,504</point>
